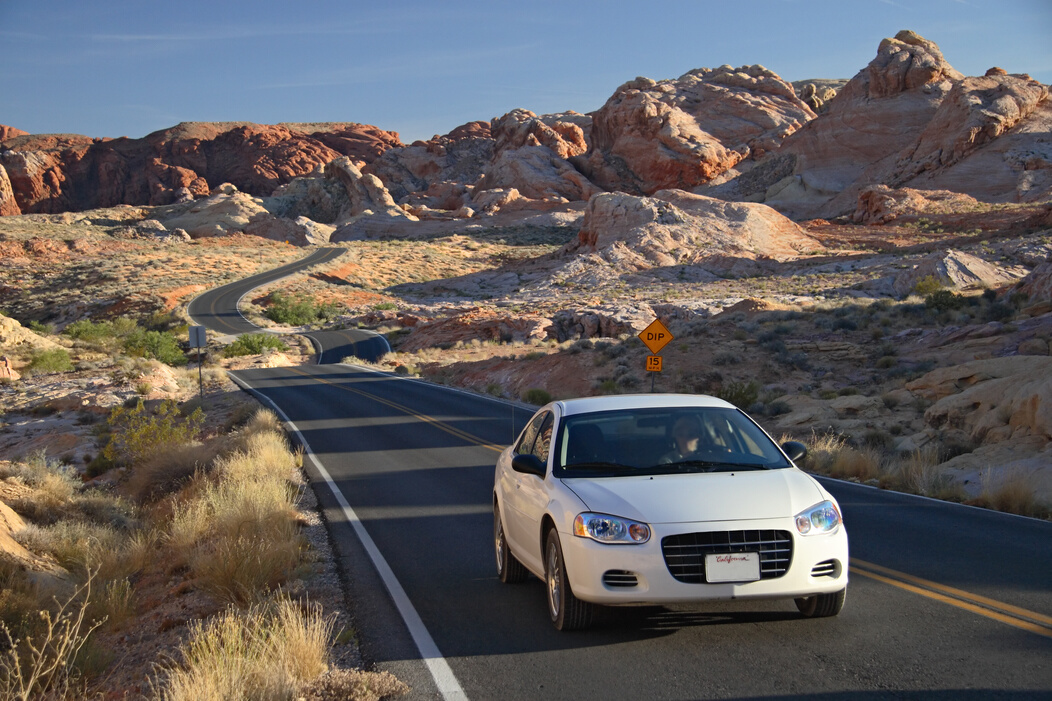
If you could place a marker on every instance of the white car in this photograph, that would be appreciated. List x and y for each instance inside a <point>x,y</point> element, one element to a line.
<point>654,499</point>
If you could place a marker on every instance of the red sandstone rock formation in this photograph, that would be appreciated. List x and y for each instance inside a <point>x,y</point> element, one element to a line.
<point>56,173</point>
<point>7,132</point>
<point>682,133</point>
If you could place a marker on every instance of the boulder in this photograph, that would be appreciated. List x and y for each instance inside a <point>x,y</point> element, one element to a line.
<point>958,271</point>
<point>677,228</point>
<point>298,232</point>
<point>537,173</point>
<point>1037,286</point>
<point>880,204</point>
<point>682,133</point>
<point>226,212</point>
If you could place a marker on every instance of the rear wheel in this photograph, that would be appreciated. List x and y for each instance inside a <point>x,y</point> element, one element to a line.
<point>509,569</point>
<point>566,611</point>
<point>822,605</point>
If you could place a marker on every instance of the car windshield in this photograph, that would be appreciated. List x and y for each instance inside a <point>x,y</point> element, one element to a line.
<point>662,441</point>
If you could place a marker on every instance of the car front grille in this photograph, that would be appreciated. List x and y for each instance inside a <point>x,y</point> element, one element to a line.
<point>685,553</point>
<point>620,578</point>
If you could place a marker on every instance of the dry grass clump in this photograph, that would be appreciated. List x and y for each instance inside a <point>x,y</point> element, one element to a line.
<point>237,529</point>
<point>167,471</point>
<point>1012,492</point>
<point>44,663</point>
<point>918,472</point>
<point>267,652</point>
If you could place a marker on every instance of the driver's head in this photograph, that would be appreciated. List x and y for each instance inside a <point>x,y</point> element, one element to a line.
<point>687,433</point>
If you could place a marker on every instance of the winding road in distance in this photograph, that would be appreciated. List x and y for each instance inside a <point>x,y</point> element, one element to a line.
<point>217,310</point>
<point>946,602</point>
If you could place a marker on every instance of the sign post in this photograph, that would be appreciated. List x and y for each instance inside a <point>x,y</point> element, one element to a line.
<point>199,340</point>
<point>655,337</point>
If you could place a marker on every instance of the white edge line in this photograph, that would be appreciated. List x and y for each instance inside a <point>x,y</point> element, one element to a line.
<point>440,670</point>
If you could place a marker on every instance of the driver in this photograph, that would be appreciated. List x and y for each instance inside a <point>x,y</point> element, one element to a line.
<point>686,433</point>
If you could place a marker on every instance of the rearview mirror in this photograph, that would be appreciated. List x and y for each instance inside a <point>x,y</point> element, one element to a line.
<point>795,450</point>
<point>529,464</point>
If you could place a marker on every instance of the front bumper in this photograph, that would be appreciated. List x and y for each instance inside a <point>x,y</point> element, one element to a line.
<point>637,574</point>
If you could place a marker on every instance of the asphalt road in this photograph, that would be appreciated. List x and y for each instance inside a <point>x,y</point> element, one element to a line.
<point>945,601</point>
<point>217,310</point>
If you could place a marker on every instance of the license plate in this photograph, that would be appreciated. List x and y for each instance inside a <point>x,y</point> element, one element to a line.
<point>732,567</point>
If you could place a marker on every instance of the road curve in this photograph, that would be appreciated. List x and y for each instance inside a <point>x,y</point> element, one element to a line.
<point>217,310</point>
<point>945,602</point>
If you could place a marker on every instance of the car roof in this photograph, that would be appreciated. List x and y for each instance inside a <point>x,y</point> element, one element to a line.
<point>588,405</point>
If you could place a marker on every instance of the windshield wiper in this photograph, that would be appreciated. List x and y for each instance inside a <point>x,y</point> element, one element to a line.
<point>711,465</point>
<point>599,466</point>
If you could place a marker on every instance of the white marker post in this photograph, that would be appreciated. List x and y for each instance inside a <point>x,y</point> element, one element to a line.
<point>199,340</point>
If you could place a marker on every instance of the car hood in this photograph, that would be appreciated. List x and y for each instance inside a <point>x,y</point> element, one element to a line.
<point>714,496</point>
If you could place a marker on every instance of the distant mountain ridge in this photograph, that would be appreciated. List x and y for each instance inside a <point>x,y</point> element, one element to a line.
<point>808,149</point>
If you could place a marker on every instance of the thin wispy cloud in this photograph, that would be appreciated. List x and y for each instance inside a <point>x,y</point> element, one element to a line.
<point>438,65</point>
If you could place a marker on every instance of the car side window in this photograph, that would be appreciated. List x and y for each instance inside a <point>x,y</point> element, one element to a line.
<point>544,438</point>
<point>529,436</point>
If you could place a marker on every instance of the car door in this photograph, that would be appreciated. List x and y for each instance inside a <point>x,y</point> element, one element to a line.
<point>526,498</point>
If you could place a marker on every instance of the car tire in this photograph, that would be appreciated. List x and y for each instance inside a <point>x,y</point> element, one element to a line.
<point>822,605</point>
<point>566,611</point>
<point>509,569</point>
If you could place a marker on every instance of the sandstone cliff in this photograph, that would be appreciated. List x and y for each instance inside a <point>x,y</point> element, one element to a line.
<point>55,173</point>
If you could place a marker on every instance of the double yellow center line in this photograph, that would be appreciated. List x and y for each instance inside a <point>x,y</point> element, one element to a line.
<point>996,610</point>
<point>990,608</point>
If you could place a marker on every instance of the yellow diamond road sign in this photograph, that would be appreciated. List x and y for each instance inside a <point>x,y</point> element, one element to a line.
<point>655,336</point>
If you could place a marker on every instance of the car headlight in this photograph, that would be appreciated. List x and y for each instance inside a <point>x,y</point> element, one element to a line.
<point>610,529</point>
<point>820,518</point>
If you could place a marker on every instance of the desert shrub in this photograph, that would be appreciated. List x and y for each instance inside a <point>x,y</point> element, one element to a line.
<point>886,362</point>
<point>164,322</point>
<point>385,306</point>
<point>927,285</point>
<point>138,432</point>
<point>536,395</point>
<point>999,311</point>
<point>727,358</point>
<point>158,345</point>
<point>298,310</point>
<point>253,344</point>
<point>46,362</point>
<point>87,330</point>
<point>39,328</point>
<point>740,394</point>
<point>943,300</point>
<point>270,651</point>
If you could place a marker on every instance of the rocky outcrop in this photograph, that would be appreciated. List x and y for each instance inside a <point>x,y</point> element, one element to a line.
<point>8,204</point>
<point>566,134</point>
<point>225,212</point>
<point>876,115</point>
<point>7,132</point>
<point>365,191</point>
<point>436,173</point>
<point>57,173</point>
<point>476,324</point>
<point>19,341</point>
<point>677,228</point>
<point>683,133</point>
<point>1037,286</point>
<point>957,270</point>
<point>993,400</point>
<point>910,120</point>
<point>816,94</point>
<point>880,204</point>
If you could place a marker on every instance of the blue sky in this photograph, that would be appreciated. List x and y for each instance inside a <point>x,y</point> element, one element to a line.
<point>127,68</point>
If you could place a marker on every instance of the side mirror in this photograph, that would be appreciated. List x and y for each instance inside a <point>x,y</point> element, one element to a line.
<point>795,450</point>
<point>529,464</point>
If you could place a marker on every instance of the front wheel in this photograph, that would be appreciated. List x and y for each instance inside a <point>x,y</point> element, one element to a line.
<point>822,605</point>
<point>566,611</point>
<point>509,569</point>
